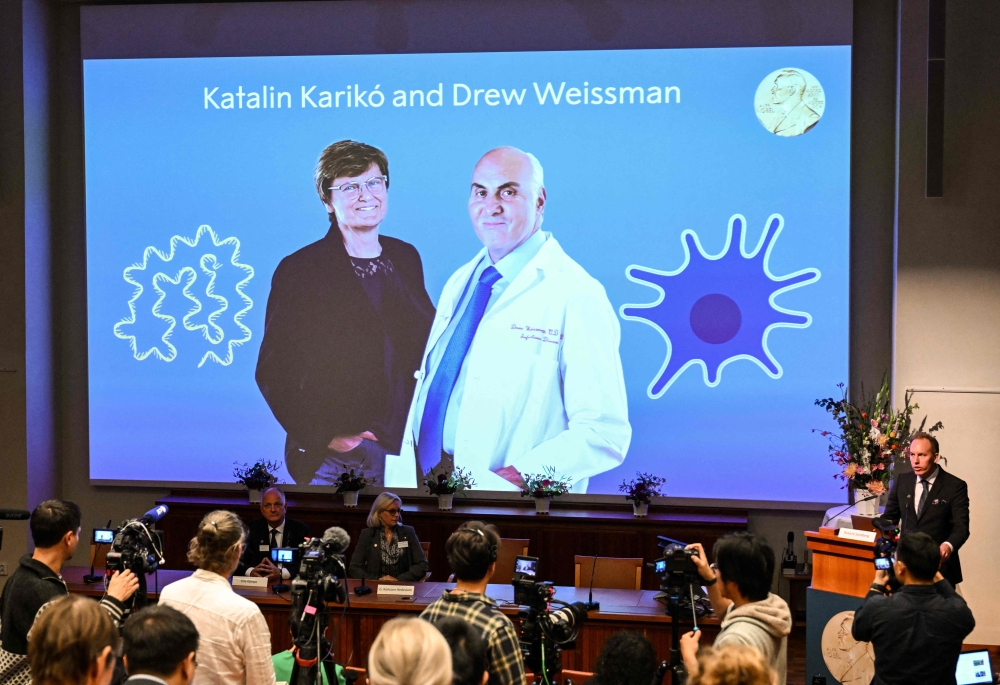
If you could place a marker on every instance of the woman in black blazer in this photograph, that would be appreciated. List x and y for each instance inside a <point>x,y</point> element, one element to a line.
<point>388,550</point>
<point>347,320</point>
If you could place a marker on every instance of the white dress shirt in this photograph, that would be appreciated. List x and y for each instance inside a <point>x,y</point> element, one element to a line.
<point>278,539</point>
<point>234,642</point>
<point>918,488</point>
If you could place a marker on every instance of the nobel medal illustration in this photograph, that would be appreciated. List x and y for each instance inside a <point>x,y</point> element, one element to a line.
<point>789,102</point>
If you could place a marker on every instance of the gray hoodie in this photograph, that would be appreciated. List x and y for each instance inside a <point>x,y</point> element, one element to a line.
<point>763,625</point>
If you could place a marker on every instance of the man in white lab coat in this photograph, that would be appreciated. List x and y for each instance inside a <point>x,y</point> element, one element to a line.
<point>521,369</point>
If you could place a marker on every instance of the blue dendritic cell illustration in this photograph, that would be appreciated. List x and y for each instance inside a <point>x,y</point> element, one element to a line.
<point>196,287</point>
<point>714,310</point>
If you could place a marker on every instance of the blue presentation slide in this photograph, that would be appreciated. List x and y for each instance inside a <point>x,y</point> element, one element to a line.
<point>700,197</point>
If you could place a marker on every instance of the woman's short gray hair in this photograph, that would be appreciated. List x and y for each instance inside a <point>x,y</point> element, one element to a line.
<point>381,503</point>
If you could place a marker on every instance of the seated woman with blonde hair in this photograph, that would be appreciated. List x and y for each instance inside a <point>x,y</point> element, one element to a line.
<point>732,665</point>
<point>409,651</point>
<point>234,645</point>
<point>386,549</point>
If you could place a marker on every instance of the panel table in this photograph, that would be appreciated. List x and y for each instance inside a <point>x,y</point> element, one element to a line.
<point>571,528</point>
<point>620,610</point>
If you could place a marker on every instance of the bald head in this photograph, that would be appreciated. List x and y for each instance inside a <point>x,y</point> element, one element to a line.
<point>507,200</point>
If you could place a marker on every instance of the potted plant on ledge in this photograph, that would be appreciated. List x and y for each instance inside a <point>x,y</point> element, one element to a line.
<point>349,483</point>
<point>641,491</point>
<point>872,436</point>
<point>543,487</point>
<point>445,485</point>
<point>256,478</point>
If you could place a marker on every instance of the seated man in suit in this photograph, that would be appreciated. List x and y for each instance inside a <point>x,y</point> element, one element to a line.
<point>932,501</point>
<point>271,531</point>
<point>159,647</point>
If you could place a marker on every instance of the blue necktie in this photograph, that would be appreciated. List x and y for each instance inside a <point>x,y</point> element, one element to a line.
<point>429,444</point>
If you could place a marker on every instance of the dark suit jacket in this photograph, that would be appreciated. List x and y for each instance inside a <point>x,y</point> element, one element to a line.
<point>917,633</point>
<point>945,516</point>
<point>321,366</point>
<point>366,562</point>
<point>260,534</point>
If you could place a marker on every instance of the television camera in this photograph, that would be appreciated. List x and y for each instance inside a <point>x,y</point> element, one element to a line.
<point>138,548</point>
<point>544,631</point>
<point>885,549</point>
<point>680,586</point>
<point>321,580</point>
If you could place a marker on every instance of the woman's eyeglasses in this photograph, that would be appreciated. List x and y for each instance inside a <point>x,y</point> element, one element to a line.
<point>392,512</point>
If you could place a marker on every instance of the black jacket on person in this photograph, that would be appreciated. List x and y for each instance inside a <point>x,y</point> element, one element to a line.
<point>321,366</point>
<point>945,516</point>
<point>29,588</point>
<point>259,535</point>
<point>366,562</point>
<point>917,633</point>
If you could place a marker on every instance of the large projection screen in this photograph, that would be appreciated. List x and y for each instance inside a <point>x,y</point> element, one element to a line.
<point>685,301</point>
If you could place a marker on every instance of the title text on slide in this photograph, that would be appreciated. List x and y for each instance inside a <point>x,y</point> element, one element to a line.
<point>462,96</point>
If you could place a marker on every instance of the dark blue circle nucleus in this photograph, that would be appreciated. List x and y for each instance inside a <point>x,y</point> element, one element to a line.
<point>716,319</point>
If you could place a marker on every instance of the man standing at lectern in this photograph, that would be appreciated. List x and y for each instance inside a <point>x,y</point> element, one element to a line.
<point>931,500</point>
<point>271,531</point>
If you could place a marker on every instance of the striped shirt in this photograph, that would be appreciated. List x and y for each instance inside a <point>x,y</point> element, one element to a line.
<point>504,660</point>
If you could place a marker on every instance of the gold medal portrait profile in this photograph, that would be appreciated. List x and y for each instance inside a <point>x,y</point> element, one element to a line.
<point>789,102</point>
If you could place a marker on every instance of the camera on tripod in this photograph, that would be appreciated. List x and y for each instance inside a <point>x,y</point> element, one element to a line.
<point>885,548</point>
<point>544,631</point>
<point>676,569</point>
<point>321,579</point>
<point>138,548</point>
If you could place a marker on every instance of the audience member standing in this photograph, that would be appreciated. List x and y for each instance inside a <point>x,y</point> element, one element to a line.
<point>409,651</point>
<point>235,643</point>
<point>55,530</point>
<point>739,586</point>
<point>72,643</point>
<point>917,634</point>
<point>472,555</point>
<point>159,645</point>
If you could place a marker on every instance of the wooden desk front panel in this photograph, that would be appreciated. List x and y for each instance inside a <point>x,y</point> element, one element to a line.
<point>610,531</point>
<point>620,610</point>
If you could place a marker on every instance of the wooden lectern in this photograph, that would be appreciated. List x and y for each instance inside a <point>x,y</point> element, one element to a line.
<point>839,565</point>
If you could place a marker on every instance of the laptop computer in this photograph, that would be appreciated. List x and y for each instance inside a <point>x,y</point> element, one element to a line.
<point>974,668</point>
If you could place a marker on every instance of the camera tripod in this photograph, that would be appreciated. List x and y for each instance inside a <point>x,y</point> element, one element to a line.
<point>678,674</point>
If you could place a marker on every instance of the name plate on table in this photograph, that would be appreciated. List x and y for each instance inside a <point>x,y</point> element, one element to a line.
<point>395,590</point>
<point>859,535</point>
<point>250,581</point>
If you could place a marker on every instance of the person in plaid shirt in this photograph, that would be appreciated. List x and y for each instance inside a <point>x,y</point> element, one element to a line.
<point>472,555</point>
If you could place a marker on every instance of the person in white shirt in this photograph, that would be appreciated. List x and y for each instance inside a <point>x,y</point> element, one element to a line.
<point>234,646</point>
<point>522,370</point>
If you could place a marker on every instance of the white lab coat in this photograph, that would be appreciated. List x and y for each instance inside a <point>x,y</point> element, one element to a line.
<point>544,383</point>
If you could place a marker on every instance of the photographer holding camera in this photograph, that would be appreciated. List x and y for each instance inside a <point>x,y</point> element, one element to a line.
<point>917,633</point>
<point>739,587</point>
<point>55,530</point>
<point>472,555</point>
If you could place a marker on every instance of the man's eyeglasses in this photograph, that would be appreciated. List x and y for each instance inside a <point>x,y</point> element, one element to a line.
<point>376,185</point>
<point>392,512</point>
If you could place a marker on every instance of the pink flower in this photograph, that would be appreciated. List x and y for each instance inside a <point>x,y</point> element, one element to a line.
<point>546,483</point>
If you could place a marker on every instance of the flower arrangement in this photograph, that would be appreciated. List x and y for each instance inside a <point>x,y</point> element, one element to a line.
<point>643,488</point>
<point>872,435</point>
<point>448,483</point>
<point>544,484</point>
<point>260,476</point>
<point>351,481</point>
